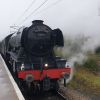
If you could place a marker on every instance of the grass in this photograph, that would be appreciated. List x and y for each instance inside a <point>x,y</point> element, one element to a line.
<point>85,81</point>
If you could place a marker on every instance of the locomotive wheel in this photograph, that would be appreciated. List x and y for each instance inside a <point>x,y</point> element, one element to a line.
<point>33,89</point>
<point>36,90</point>
<point>56,86</point>
<point>22,85</point>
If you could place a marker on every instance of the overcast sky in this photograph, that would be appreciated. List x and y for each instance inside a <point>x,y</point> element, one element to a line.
<point>71,16</point>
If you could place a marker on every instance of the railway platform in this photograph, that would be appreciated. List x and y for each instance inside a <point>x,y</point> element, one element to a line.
<point>8,87</point>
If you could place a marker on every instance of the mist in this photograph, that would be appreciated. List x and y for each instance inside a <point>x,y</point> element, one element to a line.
<point>79,21</point>
<point>71,16</point>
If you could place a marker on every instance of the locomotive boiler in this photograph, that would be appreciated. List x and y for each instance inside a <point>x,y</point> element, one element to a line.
<point>30,51</point>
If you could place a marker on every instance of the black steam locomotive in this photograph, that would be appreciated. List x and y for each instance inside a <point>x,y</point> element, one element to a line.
<point>30,52</point>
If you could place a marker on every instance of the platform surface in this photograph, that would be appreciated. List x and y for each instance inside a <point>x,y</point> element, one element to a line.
<point>8,88</point>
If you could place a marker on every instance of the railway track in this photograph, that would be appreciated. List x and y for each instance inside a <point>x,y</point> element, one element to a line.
<point>46,96</point>
<point>61,95</point>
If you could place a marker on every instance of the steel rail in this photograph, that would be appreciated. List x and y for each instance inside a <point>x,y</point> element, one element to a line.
<point>61,95</point>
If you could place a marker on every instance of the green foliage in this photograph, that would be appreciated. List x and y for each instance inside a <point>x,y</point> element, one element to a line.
<point>86,78</point>
<point>85,81</point>
<point>92,65</point>
<point>97,50</point>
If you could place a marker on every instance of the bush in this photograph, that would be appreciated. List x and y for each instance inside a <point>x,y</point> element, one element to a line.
<point>85,81</point>
<point>92,65</point>
<point>97,50</point>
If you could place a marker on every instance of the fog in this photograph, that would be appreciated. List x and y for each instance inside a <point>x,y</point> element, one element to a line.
<point>71,16</point>
<point>78,20</point>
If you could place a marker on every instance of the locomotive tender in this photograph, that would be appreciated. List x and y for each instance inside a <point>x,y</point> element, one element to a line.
<point>30,51</point>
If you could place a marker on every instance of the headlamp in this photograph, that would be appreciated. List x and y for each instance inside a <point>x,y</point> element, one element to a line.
<point>46,65</point>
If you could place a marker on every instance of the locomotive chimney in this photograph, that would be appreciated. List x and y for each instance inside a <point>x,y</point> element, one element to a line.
<point>37,22</point>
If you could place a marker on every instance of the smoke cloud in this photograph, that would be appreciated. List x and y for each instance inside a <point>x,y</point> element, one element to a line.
<point>77,47</point>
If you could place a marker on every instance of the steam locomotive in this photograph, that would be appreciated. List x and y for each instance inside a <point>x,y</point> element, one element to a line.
<point>30,51</point>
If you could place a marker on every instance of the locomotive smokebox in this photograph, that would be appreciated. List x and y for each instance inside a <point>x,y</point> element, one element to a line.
<point>36,40</point>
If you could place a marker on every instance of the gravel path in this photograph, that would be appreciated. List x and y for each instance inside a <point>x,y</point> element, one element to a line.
<point>74,95</point>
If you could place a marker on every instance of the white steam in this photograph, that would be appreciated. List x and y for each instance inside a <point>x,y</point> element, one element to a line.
<point>76,49</point>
